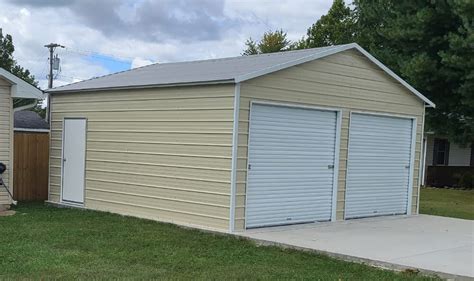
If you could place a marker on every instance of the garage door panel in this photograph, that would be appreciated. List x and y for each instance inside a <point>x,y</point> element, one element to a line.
<point>378,167</point>
<point>289,180</point>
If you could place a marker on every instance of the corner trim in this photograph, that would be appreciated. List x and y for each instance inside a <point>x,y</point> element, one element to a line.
<point>235,144</point>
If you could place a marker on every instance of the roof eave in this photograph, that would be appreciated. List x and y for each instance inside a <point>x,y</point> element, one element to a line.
<point>20,88</point>
<point>214,82</point>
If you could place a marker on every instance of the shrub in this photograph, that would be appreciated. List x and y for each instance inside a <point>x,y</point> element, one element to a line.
<point>466,180</point>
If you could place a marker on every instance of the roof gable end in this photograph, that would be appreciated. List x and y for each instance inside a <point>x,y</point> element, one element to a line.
<point>325,53</point>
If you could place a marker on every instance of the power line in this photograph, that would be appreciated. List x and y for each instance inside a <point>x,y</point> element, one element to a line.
<point>72,77</point>
<point>110,57</point>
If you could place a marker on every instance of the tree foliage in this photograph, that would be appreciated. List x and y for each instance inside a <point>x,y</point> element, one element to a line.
<point>428,43</point>
<point>271,42</point>
<point>335,28</point>
<point>8,62</point>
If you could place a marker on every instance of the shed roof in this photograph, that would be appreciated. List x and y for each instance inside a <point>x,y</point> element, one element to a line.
<point>225,70</point>
<point>20,88</point>
<point>26,119</point>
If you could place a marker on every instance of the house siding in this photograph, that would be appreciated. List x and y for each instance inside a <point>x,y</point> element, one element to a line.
<point>6,138</point>
<point>346,81</point>
<point>458,156</point>
<point>162,153</point>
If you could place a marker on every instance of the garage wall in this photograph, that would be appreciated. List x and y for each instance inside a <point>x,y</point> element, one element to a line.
<point>156,153</point>
<point>5,137</point>
<point>346,80</point>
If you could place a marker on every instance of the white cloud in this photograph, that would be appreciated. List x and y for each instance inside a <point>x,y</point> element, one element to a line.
<point>139,62</point>
<point>34,25</point>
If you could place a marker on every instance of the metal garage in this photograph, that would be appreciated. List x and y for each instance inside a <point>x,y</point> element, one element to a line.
<point>292,160</point>
<point>228,144</point>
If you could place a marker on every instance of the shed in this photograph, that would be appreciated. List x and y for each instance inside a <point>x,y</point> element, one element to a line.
<point>10,87</point>
<point>228,144</point>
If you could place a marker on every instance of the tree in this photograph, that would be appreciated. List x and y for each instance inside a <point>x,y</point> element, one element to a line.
<point>459,59</point>
<point>271,42</point>
<point>430,45</point>
<point>335,28</point>
<point>8,63</point>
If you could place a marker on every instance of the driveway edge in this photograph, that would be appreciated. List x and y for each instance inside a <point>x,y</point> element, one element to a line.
<point>370,262</point>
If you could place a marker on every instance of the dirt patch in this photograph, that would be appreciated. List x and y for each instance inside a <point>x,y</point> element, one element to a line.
<point>7,213</point>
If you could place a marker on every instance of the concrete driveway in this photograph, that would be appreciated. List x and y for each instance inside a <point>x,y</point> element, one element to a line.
<point>432,244</point>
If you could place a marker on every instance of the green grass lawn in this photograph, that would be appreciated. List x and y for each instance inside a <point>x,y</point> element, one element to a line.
<point>447,202</point>
<point>42,242</point>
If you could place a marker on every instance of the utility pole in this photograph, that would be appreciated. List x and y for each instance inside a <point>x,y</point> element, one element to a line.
<point>51,47</point>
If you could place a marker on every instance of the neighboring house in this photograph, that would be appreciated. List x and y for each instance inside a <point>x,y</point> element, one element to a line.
<point>10,87</point>
<point>29,121</point>
<point>447,163</point>
<point>300,136</point>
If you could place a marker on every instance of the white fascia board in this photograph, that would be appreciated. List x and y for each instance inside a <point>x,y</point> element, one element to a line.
<point>20,88</point>
<point>329,52</point>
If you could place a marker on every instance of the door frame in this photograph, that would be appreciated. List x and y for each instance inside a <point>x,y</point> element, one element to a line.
<point>412,153</point>
<point>337,146</point>
<point>62,162</point>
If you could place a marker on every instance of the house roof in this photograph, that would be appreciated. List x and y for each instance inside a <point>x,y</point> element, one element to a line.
<point>213,71</point>
<point>29,120</point>
<point>20,88</point>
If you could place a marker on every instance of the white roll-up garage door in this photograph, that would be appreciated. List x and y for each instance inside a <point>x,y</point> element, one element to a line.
<point>378,166</point>
<point>291,165</point>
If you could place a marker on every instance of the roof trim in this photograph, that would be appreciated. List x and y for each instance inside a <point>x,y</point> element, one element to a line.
<point>261,72</point>
<point>333,51</point>
<point>20,88</point>
<point>201,83</point>
<point>395,76</point>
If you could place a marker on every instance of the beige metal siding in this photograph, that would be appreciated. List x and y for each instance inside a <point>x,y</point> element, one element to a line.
<point>6,137</point>
<point>156,153</point>
<point>348,81</point>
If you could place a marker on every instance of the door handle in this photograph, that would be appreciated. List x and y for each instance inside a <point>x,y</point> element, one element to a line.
<point>330,166</point>
<point>64,159</point>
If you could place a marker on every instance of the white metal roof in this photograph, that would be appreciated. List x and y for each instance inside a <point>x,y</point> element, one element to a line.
<point>225,70</point>
<point>20,88</point>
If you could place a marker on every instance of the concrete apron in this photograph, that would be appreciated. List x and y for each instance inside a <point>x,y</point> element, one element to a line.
<point>429,244</point>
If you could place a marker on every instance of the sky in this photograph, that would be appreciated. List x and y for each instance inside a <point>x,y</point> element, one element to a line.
<point>106,36</point>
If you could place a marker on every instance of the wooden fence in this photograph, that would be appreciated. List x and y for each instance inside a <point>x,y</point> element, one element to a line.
<point>30,166</point>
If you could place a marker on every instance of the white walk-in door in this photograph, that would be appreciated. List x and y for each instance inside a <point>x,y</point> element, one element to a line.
<point>378,167</point>
<point>74,153</point>
<point>291,165</point>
